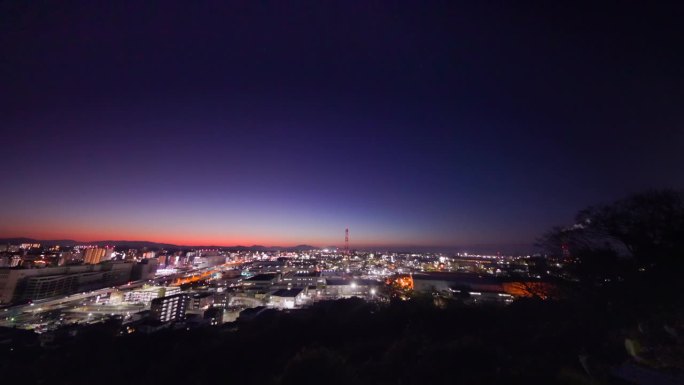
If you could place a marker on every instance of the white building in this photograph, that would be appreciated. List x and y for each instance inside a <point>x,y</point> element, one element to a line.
<point>287,298</point>
<point>147,294</point>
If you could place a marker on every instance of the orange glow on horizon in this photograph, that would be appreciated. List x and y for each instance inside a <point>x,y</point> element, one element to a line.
<point>190,240</point>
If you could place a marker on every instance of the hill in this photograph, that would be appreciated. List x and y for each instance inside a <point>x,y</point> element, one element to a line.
<point>151,245</point>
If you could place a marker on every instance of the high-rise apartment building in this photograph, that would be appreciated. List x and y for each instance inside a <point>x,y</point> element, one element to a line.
<point>93,256</point>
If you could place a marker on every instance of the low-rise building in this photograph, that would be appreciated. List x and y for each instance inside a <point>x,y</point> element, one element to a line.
<point>145,269</point>
<point>468,286</point>
<point>286,298</point>
<point>346,288</point>
<point>261,282</point>
<point>147,294</point>
<point>171,308</point>
<point>208,261</point>
<point>303,279</point>
<point>201,301</point>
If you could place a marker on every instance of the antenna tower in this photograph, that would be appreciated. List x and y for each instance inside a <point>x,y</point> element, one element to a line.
<point>346,242</point>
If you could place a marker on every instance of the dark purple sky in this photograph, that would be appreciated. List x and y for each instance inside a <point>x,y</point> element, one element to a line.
<point>444,124</point>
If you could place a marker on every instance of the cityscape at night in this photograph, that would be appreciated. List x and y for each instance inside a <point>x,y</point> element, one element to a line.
<point>341,192</point>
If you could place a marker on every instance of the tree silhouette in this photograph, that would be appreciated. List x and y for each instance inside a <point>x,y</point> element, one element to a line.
<point>649,227</point>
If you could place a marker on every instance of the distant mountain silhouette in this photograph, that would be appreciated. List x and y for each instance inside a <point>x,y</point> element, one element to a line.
<point>271,248</point>
<point>20,240</point>
<point>151,245</point>
<point>135,244</point>
<point>511,248</point>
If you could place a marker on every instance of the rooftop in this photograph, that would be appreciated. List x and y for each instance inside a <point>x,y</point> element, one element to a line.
<point>287,293</point>
<point>262,277</point>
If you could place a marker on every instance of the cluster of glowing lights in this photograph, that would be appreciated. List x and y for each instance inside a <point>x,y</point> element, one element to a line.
<point>541,290</point>
<point>402,282</point>
<point>193,278</point>
<point>209,274</point>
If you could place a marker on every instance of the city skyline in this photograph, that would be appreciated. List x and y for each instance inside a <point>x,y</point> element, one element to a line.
<point>433,125</point>
<point>485,249</point>
<point>341,192</point>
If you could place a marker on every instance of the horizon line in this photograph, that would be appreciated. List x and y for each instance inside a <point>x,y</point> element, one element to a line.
<point>316,246</point>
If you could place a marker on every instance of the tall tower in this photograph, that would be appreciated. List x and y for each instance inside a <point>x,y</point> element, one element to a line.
<point>346,242</point>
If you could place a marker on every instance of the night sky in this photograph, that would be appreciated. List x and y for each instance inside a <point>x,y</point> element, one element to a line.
<point>280,123</point>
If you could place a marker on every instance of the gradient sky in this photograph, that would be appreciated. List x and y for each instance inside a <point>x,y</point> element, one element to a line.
<point>280,123</point>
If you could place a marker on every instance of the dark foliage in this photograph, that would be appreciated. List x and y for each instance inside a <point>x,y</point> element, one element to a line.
<point>648,228</point>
